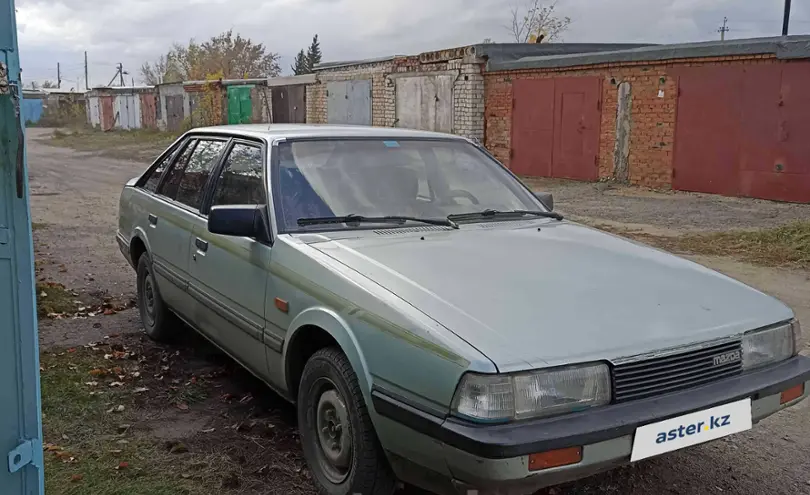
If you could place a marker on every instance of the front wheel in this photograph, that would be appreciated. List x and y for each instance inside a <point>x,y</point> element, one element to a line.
<point>337,436</point>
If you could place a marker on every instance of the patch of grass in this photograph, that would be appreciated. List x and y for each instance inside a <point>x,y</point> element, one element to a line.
<point>786,245</point>
<point>38,225</point>
<point>54,298</point>
<point>92,448</point>
<point>135,144</point>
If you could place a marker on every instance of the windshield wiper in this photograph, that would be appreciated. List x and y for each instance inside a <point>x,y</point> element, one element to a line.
<point>509,213</point>
<point>351,218</point>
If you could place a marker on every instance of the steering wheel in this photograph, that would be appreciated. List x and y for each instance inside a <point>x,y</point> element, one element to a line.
<point>461,193</point>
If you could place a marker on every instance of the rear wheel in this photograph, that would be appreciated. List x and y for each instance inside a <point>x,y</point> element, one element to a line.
<point>158,321</point>
<point>337,435</point>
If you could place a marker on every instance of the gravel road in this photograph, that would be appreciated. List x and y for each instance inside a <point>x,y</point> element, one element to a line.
<point>75,197</point>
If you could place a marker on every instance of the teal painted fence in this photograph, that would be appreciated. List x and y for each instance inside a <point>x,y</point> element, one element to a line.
<point>20,413</point>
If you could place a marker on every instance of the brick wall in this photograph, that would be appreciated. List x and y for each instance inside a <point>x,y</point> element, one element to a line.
<point>652,134</point>
<point>468,88</point>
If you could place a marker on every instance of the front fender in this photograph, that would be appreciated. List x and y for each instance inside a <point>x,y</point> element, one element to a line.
<point>336,326</point>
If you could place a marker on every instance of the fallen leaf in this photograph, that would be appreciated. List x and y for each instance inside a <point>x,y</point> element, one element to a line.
<point>122,465</point>
<point>141,390</point>
<point>119,409</point>
<point>72,349</point>
<point>209,430</point>
<point>98,372</point>
<point>116,384</point>
<point>115,451</point>
<point>76,477</point>
<point>91,384</point>
<point>108,312</point>
<point>122,442</point>
<point>182,406</point>
<point>137,374</point>
<point>43,294</point>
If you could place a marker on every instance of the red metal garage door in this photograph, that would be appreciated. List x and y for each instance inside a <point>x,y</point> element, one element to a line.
<point>742,131</point>
<point>555,127</point>
<point>577,119</point>
<point>532,127</point>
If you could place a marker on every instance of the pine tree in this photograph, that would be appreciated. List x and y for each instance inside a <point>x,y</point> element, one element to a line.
<point>313,54</point>
<point>301,64</point>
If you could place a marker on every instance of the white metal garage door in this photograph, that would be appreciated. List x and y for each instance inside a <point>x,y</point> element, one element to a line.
<point>425,102</point>
<point>349,102</point>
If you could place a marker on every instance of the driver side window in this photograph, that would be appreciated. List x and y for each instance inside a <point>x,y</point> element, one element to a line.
<point>241,181</point>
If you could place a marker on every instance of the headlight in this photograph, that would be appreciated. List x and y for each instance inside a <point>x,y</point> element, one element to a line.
<point>500,398</point>
<point>762,347</point>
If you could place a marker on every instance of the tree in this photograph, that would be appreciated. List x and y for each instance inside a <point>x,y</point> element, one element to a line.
<point>487,41</point>
<point>228,55</point>
<point>162,70</point>
<point>301,65</point>
<point>314,54</point>
<point>535,19</point>
<point>48,84</point>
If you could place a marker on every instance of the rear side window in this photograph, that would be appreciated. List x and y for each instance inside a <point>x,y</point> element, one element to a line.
<point>153,176</point>
<point>175,173</point>
<point>240,182</point>
<point>203,159</point>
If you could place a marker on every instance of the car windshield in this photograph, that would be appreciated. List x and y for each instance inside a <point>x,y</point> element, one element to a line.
<point>428,179</point>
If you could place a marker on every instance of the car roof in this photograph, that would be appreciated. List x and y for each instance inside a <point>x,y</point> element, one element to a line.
<point>281,131</point>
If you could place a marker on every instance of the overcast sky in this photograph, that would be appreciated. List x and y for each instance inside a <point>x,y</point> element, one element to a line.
<point>134,31</point>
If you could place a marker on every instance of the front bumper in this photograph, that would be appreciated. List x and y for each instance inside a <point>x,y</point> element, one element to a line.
<point>494,458</point>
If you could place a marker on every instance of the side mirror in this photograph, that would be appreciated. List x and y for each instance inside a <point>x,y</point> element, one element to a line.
<point>238,221</point>
<point>546,198</point>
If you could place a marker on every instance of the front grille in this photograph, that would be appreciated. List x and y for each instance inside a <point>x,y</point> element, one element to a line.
<point>677,371</point>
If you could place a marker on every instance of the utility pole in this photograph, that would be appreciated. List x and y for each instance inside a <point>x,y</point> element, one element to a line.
<point>86,79</point>
<point>724,29</point>
<point>121,73</point>
<point>786,19</point>
<point>58,75</point>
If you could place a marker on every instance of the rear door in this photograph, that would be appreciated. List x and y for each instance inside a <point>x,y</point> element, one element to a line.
<point>229,274</point>
<point>173,214</point>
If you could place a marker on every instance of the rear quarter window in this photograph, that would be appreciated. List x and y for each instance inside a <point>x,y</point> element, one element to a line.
<point>152,177</point>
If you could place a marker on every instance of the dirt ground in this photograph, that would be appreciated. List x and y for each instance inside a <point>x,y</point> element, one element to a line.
<point>245,435</point>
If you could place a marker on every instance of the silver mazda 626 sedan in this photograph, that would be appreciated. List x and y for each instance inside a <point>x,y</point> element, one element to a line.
<point>434,320</point>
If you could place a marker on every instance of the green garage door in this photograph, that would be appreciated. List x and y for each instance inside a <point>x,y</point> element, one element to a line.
<point>240,108</point>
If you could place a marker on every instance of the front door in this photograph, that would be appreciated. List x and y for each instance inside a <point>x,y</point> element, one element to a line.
<point>229,275</point>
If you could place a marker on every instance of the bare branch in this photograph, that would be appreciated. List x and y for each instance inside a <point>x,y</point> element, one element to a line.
<point>536,19</point>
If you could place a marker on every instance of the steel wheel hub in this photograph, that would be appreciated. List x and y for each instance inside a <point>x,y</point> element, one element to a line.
<point>334,435</point>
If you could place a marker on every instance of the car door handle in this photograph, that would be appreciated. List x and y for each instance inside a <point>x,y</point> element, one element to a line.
<point>201,244</point>
<point>152,220</point>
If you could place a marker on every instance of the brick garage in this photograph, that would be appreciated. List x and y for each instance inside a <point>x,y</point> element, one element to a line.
<point>643,150</point>
<point>454,77</point>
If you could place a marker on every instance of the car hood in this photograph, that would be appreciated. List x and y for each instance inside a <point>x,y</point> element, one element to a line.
<point>543,293</point>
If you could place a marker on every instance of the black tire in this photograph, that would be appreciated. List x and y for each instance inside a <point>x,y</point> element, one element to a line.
<point>158,321</point>
<point>368,472</point>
